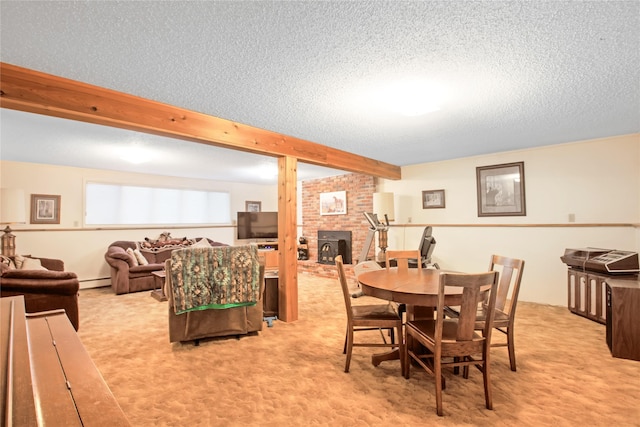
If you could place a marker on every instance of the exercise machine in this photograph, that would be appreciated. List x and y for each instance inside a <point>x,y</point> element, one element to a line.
<point>374,226</point>
<point>426,247</point>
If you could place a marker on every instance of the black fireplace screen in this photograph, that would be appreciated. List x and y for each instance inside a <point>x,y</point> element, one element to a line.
<point>334,243</point>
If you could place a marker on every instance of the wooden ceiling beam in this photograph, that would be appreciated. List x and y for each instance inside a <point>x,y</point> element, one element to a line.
<point>36,92</point>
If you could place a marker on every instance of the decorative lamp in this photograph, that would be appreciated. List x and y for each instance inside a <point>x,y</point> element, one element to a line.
<point>12,211</point>
<point>384,208</point>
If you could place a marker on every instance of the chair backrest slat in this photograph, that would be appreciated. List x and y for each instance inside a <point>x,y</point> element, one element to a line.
<point>342,277</point>
<point>510,278</point>
<point>402,258</point>
<point>471,296</point>
<point>475,288</point>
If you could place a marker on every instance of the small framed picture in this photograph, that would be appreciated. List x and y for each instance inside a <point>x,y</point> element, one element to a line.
<point>252,206</point>
<point>45,209</point>
<point>334,203</point>
<point>433,199</point>
<point>501,190</point>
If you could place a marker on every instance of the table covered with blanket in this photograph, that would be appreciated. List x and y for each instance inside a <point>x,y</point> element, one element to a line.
<point>217,277</point>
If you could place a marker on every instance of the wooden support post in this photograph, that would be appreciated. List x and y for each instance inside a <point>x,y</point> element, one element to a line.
<point>287,239</point>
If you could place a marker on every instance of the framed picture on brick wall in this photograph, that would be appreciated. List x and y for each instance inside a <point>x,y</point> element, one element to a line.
<point>334,203</point>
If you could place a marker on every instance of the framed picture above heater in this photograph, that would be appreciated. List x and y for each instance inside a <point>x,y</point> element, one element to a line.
<point>433,199</point>
<point>45,209</point>
<point>252,206</point>
<point>501,190</point>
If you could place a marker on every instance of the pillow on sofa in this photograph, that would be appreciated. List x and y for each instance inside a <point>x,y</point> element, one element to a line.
<point>7,263</point>
<point>202,243</point>
<point>132,255</point>
<point>18,259</point>
<point>164,239</point>
<point>154,246</point>
<point>31,264</point>
<point>139,257</point>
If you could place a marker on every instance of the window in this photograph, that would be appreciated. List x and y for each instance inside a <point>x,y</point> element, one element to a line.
<point>114,204</point>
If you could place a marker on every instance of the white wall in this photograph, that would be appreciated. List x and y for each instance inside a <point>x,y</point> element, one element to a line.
<point>598,181</point>
<point>82,248</point>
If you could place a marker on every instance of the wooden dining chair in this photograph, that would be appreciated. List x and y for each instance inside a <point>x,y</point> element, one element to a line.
<point>402,257</point>
<point>367,318</point>
<point>510,270</point>
<point>364,267</point>
<point>454,341</point>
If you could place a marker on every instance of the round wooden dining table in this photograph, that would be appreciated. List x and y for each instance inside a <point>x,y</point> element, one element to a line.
<point>417,289</point>
<point>412,286</point>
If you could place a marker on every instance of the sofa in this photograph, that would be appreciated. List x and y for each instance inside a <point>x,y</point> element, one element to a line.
<point>44,284</point>
<point>214,292</point>
<point>133,262</point>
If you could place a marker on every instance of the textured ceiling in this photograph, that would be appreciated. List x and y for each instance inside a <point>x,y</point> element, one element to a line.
<point>512,75</point>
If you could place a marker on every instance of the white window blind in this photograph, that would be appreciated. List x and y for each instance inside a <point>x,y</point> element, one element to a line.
<point>113,204</point>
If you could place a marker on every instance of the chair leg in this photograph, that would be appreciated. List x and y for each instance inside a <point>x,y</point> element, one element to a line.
<point>401,350</point>
<point>408,342</point>
<point>511,347</point>
<point>346,335</point>
<point>487,383</point>
<point>349,345</point>
<point>438,379</point>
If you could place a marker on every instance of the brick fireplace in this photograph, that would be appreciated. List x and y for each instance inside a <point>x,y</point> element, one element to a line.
<point>359,189</point>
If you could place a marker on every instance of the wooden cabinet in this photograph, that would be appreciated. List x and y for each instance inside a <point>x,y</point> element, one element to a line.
<point>586,295</point>
<point>271,259</point>
<point>269,252</point>
<point>270,298</point>
<point>623,318</point>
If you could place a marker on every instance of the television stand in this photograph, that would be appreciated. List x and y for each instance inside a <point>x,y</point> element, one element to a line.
<point>267,245</point>
<point>270,297</point>
<point>268,251</point>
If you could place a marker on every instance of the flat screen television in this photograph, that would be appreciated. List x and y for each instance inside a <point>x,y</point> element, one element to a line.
<point>257,225</point>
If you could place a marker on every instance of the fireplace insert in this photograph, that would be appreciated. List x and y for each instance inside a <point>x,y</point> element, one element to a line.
<point>334,243</point>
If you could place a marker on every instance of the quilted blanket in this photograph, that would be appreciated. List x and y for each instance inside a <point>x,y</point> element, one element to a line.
<point>214,278</point>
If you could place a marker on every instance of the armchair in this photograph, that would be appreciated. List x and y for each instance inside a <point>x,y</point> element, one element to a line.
<point>44,290</point>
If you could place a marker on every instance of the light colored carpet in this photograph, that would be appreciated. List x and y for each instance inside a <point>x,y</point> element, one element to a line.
<point>292,374</point>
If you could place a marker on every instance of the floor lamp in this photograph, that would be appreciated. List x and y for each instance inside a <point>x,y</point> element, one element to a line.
<point>384,208</point>
<point>12,211</point>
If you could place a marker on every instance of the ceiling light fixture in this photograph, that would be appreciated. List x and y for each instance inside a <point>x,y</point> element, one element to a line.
<point>411,97</point>
<point>264,169</point>
<point>136,155</point>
